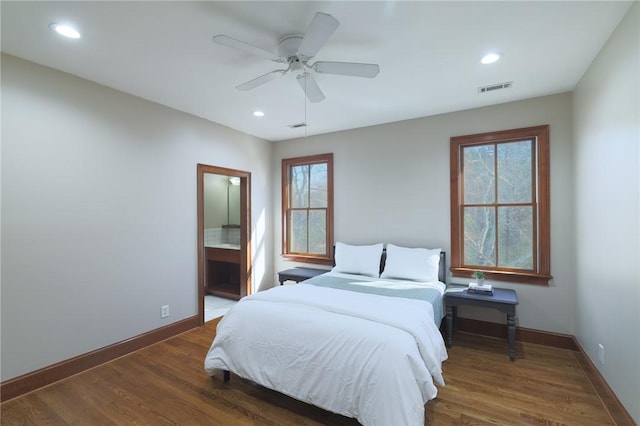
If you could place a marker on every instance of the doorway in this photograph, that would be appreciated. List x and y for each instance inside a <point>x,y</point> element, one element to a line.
<point>224,234</point>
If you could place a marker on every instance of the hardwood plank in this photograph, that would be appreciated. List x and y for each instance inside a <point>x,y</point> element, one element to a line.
<point>63,399</point>
<point>165,383</point>
<point>29,410</point>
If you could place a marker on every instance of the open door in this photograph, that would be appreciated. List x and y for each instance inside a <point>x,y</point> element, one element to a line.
<point>224,233</point>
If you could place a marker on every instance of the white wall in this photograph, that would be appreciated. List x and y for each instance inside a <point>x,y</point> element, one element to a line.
<point>607,158</point>
<point>99,213</point>
<point>392,186</point>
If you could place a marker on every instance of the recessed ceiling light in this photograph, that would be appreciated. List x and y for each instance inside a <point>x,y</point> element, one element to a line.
<point>65,30</point>
<point>258,114</point>
<point>491,58</point>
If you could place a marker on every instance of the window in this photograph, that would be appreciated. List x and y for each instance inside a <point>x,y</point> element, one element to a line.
<point>307,208</point>
<point>500,205</point>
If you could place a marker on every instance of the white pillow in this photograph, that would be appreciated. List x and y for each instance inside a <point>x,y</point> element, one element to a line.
<point>361,260</point>
<point>415,264</point>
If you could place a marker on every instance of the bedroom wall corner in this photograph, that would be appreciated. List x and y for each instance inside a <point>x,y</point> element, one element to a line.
<point>607,164</point>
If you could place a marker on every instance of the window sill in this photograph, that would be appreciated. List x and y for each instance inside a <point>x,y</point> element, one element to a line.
<point>308,259</point>
<point>507,276</point>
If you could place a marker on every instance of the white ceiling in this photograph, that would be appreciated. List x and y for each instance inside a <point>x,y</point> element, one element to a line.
<point>429,55</point>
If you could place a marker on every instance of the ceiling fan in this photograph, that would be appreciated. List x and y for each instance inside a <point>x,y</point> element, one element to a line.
<point>296,51</point>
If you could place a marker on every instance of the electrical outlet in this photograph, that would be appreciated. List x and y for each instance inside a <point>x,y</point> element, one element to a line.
<point>601,353</point>
<point>164,311</point>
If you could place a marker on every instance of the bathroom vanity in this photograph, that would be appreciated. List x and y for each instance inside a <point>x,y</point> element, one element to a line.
<point>222,270</point>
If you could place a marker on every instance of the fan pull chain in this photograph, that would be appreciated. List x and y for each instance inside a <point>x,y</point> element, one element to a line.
<point>305,108</point>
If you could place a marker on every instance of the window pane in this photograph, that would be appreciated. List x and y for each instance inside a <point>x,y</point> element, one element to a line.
<point>299,186</point>
<point>319,192</point>
<point>479,174</point>
<point>479,236</point>
<point>515,237</point>
<point>318,231</point>
<point>514,172</point>
<point>298,227</point>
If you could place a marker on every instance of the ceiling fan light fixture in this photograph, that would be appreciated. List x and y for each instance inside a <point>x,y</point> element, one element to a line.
<point>65,30</point>
<point>491,58</point>
<point>258,113</point>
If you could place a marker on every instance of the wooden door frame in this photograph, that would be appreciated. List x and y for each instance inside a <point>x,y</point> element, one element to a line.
<point>245,231</point>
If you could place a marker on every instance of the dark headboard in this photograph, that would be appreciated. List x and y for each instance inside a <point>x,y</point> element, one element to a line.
<point>442,266</point>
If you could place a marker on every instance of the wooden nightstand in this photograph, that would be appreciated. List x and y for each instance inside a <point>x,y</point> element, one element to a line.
<point>504,300</point>
<point>299,274</point>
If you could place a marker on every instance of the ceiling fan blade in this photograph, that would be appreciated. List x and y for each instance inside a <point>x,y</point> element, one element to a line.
<point>310,87</point>
<point>320,29</point>
<point>250,48</point>
<point>347,68</point>
<point>251,84</point>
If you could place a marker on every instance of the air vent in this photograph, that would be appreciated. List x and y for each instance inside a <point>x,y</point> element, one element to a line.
<point>297,126</point>
<point>494,87</point>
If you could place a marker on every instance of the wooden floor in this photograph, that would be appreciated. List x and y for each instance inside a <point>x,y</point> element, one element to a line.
<point>166,384</point>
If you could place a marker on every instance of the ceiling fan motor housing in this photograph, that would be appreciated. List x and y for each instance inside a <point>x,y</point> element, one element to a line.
<point>288,47</point>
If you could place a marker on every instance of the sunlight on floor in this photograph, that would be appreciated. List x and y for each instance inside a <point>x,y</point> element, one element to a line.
<point>215,307</point>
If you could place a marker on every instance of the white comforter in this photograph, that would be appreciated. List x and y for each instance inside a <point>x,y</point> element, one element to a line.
<point>371,357</point>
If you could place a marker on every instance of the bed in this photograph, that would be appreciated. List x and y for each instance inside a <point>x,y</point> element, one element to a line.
<point>361,340</point>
